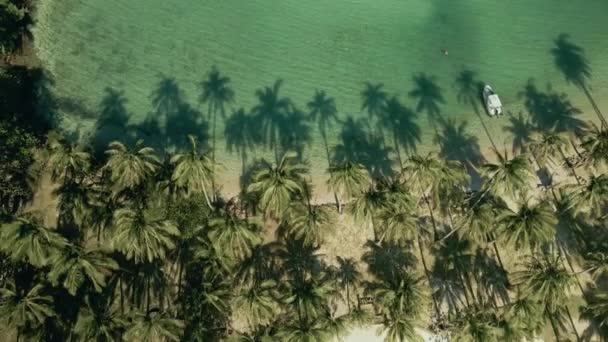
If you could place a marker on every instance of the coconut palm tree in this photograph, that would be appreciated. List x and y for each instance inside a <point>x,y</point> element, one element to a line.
<point>596,312</point>
<point>233,236</point>
<point>348,180</point>
<point>510,177</point>
<point>523,319</point>
<point>270,112</point>
<point>258,303</point>
<point>25,310</point>
<point>128,168</point>
<point>366,207</point>
<point>549,148</point>
<point>99,324</point>
<point>66,162</point>
<point>313,331</point>
<point>74,265</point>
<point>308,223</point>
<point>153,326</point>
<point>423,172</point>
<point>193,171</point>
<point>530,226</point>
<point>477,324</point>
<point>25,240</point>
<point>308,298</point>
<point>595,142</point>
<point>400,301</point>
<point>140,237</point>
<point>546,280</point>
<point>592,196</point>
<point>323,111</point>
<point>374,98</point>
<point>348,276</point>
<point>277,186</point>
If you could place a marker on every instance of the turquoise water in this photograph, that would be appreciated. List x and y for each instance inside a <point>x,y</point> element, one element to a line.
<point>334,45</point>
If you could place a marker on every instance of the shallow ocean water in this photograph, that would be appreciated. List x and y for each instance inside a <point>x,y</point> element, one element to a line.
<point>130,47</point>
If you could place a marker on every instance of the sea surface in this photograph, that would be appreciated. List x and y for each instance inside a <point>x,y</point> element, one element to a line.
<point>130,69</point>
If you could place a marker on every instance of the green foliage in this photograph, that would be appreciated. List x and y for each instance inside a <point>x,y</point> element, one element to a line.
<point>16,157</point>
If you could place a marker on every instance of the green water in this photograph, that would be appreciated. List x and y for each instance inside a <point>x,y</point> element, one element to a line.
<point>335,45</point>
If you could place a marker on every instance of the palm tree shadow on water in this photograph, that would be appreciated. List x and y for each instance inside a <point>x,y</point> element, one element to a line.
<point>455,143</point>
<point>165,128</point>
<point>358,145</point>
<point>570,59</point>
<point>470,92</point>
<point>428,96</point>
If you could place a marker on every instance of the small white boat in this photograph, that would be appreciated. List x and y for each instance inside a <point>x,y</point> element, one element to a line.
<point>493,104</point>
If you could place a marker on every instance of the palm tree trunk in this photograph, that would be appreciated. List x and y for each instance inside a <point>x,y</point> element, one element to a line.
<point>578,338</point>
<point>553,326</point>
<point>570,166</point>
<point>148,296</point>
<point>122,296</point>
<point>563,256</point>
<point>348,297</point>
<point>428,277</point>
<point>324,136</point>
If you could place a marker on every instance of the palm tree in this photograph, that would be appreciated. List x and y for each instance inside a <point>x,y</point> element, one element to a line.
<point>193,171</point>
<point>523,319</point>
<point>596,311</point>
<point>546,280</point>
<point>530,227</point>
<point>366,207</point>
<point>323,110</point>
<point>216,92</point>
<point>571,61</point>
<point>278,185</point>
<point>270,111</point>
<point>477,325</point>
<point>308,223</point>
<point>153,326</point>
<point>99,324</point>
<point>547,146</point>
<point>374,98</point>
<point>25,240</point>
<point>595,142</point>
<point>510,177</point>
<point>130,169</point>
<point>592,196</point>
<point>140,237</point>
<point>74,266</point>
<point>424,172</point>
<point>233,236</point>
<point>66,162</point>
<point>400,303</point>
<point>308,298</point>
<point>347,275</point>
<point>25,310</point>
<point>258,303</point>
<point>348,180</point>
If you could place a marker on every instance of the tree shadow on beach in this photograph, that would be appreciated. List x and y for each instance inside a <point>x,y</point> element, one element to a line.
<point>388,261</point>
<point>360,146</point>
<point>570,59</point>
<point>550,110</point>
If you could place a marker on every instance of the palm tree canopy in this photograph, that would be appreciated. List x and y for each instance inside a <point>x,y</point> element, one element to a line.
<point>66,162</point>
<point>102,325</point>
<point>24,240</point>
<point>348,178</point>
<point>595,143</point>
<point>258,302</point>
<point>193,171</point>
<point>130,169</point>
<point>142,238</point>
<point>278,185</point>
<point>32,307</point>
<point>234,236</point>
<point>308,224</point>
<point>545,279</point>
<point>591,196</point>
<point>154,326</point>
<point>548,147</point>
<point>74,265</point>
<point>511,177</point>
<point>531,226</point>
